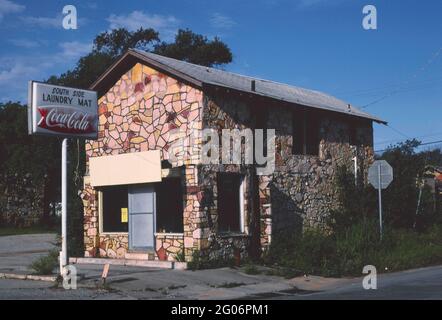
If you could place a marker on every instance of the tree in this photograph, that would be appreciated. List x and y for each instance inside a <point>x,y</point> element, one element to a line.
<point>195,48</point>
<point>109,45</point>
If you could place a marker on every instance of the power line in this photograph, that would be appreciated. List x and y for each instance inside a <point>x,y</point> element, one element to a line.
<point>418,137</point>
<point>419,145</point>
<point>428,63</point>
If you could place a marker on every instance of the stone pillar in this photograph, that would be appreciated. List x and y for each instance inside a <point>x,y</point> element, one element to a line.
<point>265,211</point>
<point>90,203</point>
<point>193,233</point>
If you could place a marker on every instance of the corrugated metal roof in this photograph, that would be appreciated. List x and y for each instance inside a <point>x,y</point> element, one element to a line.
<point>271,89</point>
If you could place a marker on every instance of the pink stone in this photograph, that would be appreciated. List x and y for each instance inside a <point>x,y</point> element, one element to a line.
<point>156,113</point>
<point>191,96</point>
<point>117,110</point>
<point>110,97</point>
<point>118,120</point>
<point>177,106</point>
<point>131,100</point>
<point>144,146</point>
<point>167,99</point>
<point>151,141</point>
<point>123,136</point>
<point>135,127</point>
<point>143,132</point>
<point>193,115</point>
<point>155,86</point>
<point>114,134</point>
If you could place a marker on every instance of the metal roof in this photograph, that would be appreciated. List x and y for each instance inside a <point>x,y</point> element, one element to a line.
<point>274,90</point>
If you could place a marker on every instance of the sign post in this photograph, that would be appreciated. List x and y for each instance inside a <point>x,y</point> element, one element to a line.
<point>380,175</point>
<point>64,194</point>
<point>62,112</point>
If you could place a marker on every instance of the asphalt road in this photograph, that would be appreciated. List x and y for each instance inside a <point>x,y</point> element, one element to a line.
<point>417,284</point>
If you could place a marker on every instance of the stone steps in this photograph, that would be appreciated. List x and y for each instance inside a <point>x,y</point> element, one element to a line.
<point>140,255</point>
<point>131,262</point>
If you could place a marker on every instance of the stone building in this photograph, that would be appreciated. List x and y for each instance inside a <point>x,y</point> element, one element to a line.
<point>142,199</point>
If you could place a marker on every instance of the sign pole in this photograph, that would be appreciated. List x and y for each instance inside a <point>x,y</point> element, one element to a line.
<point>64,254</point>
<point>380,200</point>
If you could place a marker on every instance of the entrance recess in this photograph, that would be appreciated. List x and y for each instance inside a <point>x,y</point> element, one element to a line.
<point>142,209</point>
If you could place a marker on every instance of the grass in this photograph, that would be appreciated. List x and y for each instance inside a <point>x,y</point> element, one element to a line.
<point>45,265</point>
<point>347,252</point>
<point>11,231</point>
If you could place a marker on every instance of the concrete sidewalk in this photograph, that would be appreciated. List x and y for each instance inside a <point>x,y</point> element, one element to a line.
<point>151,283</point>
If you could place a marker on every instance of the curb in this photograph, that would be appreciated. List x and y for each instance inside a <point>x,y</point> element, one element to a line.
<point>27,277</point>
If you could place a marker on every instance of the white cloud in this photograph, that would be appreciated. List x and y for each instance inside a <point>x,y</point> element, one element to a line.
<point>221,21</point>
<point>25,43</point>
<point>45,22</point>
<point>75,49</point>
<point>7,7</point>
<point>312,3</point>
<point>165,25</point>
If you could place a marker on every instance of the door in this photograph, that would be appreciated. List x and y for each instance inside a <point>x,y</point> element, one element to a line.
<point>141,217</point>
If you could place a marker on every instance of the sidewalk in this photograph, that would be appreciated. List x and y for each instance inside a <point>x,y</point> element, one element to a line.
<point>151,283</point>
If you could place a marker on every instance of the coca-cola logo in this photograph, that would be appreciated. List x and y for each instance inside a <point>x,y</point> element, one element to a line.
<point>66,120</point>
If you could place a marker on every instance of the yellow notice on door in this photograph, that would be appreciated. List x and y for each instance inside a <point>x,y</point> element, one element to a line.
<point>124,215</point>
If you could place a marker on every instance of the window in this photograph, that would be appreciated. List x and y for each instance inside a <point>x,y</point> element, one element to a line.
<point>229,202</point>
<point>353,138</point>
<point>114,200</point>
<point>261,123</point>
<point>305,133</point>
<point>169,205</point>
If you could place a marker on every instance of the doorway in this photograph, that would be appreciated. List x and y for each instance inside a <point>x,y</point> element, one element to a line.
<point>142,216</point>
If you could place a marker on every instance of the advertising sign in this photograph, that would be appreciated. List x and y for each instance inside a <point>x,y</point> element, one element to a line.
<point>62,111</point>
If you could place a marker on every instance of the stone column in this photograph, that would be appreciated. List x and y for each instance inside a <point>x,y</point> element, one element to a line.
<point>265,211</point>
<point>90,203</point>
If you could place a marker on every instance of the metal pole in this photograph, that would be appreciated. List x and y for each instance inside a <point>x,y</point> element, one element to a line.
<point>63,254</point>
<point>380,200</point>
<point>355,160</point>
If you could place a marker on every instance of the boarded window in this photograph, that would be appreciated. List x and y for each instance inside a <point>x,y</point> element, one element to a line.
<point>169,205</point>
<point>262,117</point>
<point>115,208</point>
<point>305,133</point>
<point>353,138</point>
<point>229,212</point>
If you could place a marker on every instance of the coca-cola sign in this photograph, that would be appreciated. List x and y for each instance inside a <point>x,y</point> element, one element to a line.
<point>62,111</point>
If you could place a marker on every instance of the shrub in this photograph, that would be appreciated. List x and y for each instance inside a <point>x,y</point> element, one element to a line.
<point>202,261</point>
<point>46,264</point>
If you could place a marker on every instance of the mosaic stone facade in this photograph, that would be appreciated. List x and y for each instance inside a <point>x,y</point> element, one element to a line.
<point>140,112</point>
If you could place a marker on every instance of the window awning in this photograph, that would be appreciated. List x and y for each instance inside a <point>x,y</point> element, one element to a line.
<point>128,168</point>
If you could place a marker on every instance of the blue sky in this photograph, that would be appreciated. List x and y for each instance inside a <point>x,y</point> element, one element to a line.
<point>317,44</point>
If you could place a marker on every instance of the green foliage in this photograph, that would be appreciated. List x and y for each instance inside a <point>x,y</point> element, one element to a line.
<point>346,253</point>
<point>118,41</point>
<point>196,48</point>
<point>251,269</point>
<point>110,45</point>
<point>45,265</point>
<point>180,256</point>
<point>356,201</point>
<point>352,239</point>
<point>202,261</point>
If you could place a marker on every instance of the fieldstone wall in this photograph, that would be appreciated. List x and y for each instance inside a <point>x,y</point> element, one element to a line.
<point>142,112</point>
<point>169,247</point>
<point>301,191</point>
<point>21,200</point>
